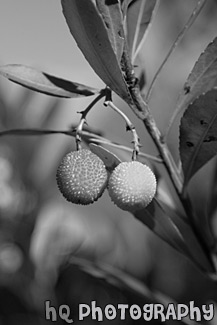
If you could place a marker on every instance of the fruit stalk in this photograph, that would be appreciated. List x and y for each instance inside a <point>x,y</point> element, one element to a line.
<point>130,127</point>
<point>83,119</point>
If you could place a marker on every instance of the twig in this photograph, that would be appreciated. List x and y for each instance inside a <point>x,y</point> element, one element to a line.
<point>180,36</point>
<point>83,119</point>
<point>130,127</point>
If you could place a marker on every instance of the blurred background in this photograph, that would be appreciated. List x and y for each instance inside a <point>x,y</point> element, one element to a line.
<point>48,247</point>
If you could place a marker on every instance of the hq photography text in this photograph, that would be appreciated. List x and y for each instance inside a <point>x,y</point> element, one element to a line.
<point>148,312</point>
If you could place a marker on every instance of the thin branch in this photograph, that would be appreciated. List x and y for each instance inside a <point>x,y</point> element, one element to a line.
<point>130,127</point>
<point>83,118</point>
<point>180,36</point>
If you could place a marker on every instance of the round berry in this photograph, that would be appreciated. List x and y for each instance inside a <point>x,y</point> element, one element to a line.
<point>81,177</point>
<point>132,186</point>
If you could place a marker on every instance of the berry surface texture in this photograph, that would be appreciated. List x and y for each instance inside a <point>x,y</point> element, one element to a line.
<point>82,177</point>
<point>132,186</point>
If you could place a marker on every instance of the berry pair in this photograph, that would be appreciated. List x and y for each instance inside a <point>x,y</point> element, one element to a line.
<point>82,178</point>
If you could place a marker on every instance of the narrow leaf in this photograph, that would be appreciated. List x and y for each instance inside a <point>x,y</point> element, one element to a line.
<point>87,27</point>
<point>139,16</point>
<point>44,82</point>
<point>155,218</point>
<point>202,78</point>
<point>198,134</point>
<point>112,16</point>
<point>114,276</point>
<point>110,160</point>
<point>34,132</point>
<point>170,227</point>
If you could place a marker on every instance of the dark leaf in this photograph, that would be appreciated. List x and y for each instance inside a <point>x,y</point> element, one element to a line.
<point>142,80</point>
<point>112,16</point>
<point>200,197</point>
<point>34,132</point>
<point>45,83</point>
<point>89,30</point>
<point>198,134</point>
<point>110,160</point>
<point>139,16</point>
<point>212,206</point>
<point>202,78</point>
<point>174,230</point>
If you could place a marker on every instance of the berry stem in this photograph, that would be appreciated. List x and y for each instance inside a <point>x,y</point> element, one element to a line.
<point>130,127</point>
<point>83,118</point>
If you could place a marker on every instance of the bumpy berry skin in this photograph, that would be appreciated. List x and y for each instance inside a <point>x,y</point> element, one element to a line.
<point>132,186</point>
<point>81,177</point>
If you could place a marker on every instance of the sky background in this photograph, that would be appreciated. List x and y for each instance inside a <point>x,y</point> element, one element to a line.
<point>35,33</point>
